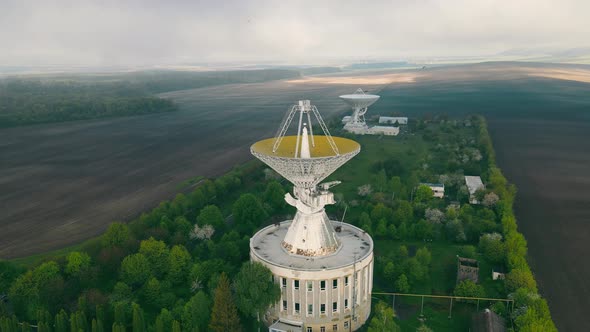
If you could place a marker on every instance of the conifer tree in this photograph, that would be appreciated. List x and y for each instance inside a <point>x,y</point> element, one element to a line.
<point>224,316</point>
<point>138,321</point>
<point>164,321</point>
<point>176,326</point>
<point>97,325</point>
<point>61,321</point>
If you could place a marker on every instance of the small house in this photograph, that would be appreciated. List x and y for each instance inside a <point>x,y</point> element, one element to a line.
<point>498,273</point>
<point>438,189</point>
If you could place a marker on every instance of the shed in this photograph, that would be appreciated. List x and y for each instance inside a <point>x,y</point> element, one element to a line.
<point>467,269</point>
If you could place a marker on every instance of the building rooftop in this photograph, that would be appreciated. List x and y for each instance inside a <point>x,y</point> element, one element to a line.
<point>266,245</point>
<point>393,119</point>
<point>473,183</point>
<point>440,185</point>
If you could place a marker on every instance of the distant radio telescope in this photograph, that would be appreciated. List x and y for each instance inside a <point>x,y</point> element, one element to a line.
<point>359,101</point>
<point>324,267</point>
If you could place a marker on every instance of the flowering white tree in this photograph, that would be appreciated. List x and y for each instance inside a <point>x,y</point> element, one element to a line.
<point>490,199</point>
<point>202,233</point>
<point>365,190</point>
<point>434,215</point>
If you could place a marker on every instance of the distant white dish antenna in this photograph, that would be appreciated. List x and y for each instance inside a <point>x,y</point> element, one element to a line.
<point>359,101</point>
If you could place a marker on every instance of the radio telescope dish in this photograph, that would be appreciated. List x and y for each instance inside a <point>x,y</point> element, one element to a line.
<point>305,160</point>
<point>359,101</point>
<point>305,172</point>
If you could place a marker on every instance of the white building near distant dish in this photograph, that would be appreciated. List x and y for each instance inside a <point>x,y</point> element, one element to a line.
<point>393,120</point>
<point>474,184</point>
<point>383,130</point>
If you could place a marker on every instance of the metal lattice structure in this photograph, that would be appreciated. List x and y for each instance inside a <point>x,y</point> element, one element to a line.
<point>303,107</point>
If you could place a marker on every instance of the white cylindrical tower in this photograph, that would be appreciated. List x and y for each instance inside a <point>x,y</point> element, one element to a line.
<point>324,267</point>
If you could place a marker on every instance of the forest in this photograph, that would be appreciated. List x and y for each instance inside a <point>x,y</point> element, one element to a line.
<point>42,99</point>
<point>183,266</point>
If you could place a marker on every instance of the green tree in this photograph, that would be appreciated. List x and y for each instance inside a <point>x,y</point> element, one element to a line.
<point>468,288</point>
<point>97,325</point>
<point>381,229</point>
<point>381,180</point>
<point>9,324</point>
<point>401,284</point>
<point>118,327</point>
<point>164,321</point>
<point>520,278</point>
<point>120,314</point>
<point>224,315</point>
<point>415,270</point>
<point>255,289</point>
<point>152,293</point>
<point>116,235</point>
<point>423,193</point>
<point>138,320</point>
<point>248,213</point>
<point>36,289</point>
<point>395,186</point>
<point>274,195</point>
<point>424,230</point>
<point>78,321</point>
<point>196,314</point>
<point>179,264</point>
<point>403,213</point>
<point>383,319</point>
<point>365,222</point>
<point>61,321</point>
<point>77,263</point>
<point>157,254</point>
<point>423,256</point>
<point>380,211</point>
<point>492,247</point>
<point>135,270</point>
<point>176,326</point>
<point>389,271</point>
<point>211,215</point>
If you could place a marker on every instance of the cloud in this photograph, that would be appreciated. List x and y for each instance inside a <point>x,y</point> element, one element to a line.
<point>167,32</point>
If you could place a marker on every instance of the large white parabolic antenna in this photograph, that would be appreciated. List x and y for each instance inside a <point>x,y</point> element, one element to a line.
<point>306,160</point>
<point>359,101</point>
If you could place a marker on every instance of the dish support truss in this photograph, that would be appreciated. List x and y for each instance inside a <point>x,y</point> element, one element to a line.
<point>303,107</point>
<point>358,114</point>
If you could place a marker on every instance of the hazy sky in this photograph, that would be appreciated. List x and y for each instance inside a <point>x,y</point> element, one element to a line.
<point>123,32</point>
